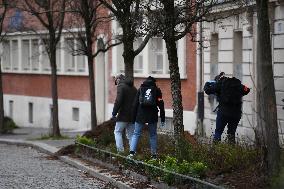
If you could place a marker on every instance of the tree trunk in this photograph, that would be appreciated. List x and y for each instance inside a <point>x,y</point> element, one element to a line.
<point>92,93</point>
<point>55,123</point>
<point>1,103</point>
<point>266,103</point>
<point>128,53</point>
<point>175,87</point>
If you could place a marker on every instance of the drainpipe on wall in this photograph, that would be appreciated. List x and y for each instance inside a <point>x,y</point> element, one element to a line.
<point>200,95</point>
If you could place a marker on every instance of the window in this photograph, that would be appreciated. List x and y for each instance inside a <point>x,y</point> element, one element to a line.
<point>75,114</point>
<point>119,59</point>
<point>30,112</point>
<point>26,54</point>
<point>69,58</point>
<point>11,104</point>
<point>35,54</point>
<point>80,59</point>
<point>15,55</point>
<point>73,63</point>
<point>30,54</point>
<point>279,27</point>
<point>238,55</point>
<point>138,61</point>
<point>214,49</point>
<point>156,58</point>
<point>58,56</point>
<point>152,60</point>
<point>6,55</point>
<point>45,63</point>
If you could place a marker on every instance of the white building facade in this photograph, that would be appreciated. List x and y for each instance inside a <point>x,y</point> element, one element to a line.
<point>230,46</point>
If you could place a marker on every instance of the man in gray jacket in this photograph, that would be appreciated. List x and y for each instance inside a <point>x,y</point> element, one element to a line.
<point>126,93</point>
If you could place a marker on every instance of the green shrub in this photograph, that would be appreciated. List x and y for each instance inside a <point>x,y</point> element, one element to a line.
<point>85,140</point>
<point>106,139</point>
<point>197,169</point>
<point>9,125</point>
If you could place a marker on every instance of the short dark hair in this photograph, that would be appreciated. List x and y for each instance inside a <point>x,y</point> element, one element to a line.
<point>151,79</point>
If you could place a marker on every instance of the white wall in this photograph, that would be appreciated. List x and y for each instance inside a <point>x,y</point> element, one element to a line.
<point>41,112</point>
<point>189,118</point>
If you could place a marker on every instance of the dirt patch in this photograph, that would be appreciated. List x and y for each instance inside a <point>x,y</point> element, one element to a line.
<point>50,157</point>
<point>107,126</point>
<point>67,150</point>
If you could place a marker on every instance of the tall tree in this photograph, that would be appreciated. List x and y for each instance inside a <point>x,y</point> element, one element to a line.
<point>174,20</point>
<point>3,11</point>
<point>51,14</point>
<point>87,18</point>
<point>267,128</point>
<point>129,15</point>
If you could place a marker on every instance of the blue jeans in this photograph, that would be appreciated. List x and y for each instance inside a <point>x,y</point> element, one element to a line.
<point>221,122</point>
<point>119,127</point>
<point>137,134</point>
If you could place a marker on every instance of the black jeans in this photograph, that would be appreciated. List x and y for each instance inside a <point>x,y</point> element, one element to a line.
<point>221,122</point>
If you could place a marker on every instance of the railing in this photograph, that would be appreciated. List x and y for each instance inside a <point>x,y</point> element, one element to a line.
<point>150,170</point>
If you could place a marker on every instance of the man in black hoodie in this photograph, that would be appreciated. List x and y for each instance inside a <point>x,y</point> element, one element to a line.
<point>147,114</point>
<point>229,92</point>
<point>126,93</point>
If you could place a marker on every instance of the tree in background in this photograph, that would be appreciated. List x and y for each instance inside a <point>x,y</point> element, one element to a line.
<point>267,127</point>
<point>87,19</point>
<point>51,14</point>
<point>3,11</point>
<point>130,16</point>
<point>173,21</point>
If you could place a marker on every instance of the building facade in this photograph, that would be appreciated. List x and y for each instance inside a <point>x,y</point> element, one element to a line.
<point>27,85</point>
<point>230,46</point>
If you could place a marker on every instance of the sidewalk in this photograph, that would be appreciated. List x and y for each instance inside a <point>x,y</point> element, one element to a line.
<point>27,136</point>
<point>32,133</point>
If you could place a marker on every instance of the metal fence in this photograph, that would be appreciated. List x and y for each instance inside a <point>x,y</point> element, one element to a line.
<point>153,172</point>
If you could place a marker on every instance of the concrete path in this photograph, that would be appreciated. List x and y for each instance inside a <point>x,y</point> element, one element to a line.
<point>26,168</point>
<point>27,136</point>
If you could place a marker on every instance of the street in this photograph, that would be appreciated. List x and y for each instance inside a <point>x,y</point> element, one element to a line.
<point>24,167</point>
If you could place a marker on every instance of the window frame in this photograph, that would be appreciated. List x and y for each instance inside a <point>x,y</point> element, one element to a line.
<point>38,66</point>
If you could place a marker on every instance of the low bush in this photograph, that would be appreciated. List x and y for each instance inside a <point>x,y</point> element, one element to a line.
<point>195,169</point>
<point>85,140</point>
<point>9,125</point>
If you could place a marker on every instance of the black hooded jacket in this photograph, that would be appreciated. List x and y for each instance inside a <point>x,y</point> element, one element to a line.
<point>226,109</point>
<point>149,114</point>
<point>126,93</point>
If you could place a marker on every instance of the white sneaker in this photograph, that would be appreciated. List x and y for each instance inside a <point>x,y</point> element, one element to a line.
<point>130,156</point>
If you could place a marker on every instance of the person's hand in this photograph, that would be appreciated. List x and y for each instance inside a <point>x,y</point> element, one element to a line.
<point>162,124</point>
<point>113,117</point>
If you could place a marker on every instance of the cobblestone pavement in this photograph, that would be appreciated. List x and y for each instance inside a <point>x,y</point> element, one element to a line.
<point>25,168</point>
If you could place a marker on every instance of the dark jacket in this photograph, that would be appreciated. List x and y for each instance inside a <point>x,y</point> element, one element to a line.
<point>149,114</point>
<point>126,93</point>
<point>226,109</point>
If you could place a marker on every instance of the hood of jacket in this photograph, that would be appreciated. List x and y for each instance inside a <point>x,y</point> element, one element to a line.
<point>128,81</point>
<point>148,82</point>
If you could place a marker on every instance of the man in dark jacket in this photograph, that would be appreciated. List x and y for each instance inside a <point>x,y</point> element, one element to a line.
<point>230,105</point>
<point>147,115</point>
<point>126,93</point>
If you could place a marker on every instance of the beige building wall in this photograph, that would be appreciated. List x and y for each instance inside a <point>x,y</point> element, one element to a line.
<point>236,47</point>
